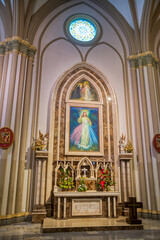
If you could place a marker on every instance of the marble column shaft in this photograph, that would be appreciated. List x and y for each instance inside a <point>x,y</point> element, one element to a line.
<point>147,139</point>
<point>157,88</point>
<point>147,63</point>
<point>128,178</point>
<point>156,123</point>
<point>59,207</point>
<point>64,209</point>
<point>25,119</point>
<point>1,68</point>
<point>12,52</point>
<point>12,187</point>
<point>139,139</point>
<point>114,207</point>
<point>7,123</point>
<point>156,126</point>
<point>3,84</point>
<point>109,207</point>
<point>124,183</point>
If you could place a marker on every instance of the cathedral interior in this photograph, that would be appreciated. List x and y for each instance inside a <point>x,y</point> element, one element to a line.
<point>79,109</point>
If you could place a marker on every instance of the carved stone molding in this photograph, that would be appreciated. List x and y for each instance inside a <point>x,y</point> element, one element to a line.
<point>125,156</point>
<point>17,44</point>
<point>143,59</point>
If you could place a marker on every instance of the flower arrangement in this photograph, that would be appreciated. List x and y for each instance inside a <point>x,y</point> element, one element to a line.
<point>128,147</point>
<point>40,143</point>
<point>82,187</point>
<point>66,180</point>
<point>104,181</point>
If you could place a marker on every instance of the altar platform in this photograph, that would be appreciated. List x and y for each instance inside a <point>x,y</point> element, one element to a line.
<point>51,225</point>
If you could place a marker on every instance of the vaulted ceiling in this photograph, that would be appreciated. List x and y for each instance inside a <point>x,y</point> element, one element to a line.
<point>140,18</point>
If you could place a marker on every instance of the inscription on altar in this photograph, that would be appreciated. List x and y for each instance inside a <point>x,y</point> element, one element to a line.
<point>86,207</point>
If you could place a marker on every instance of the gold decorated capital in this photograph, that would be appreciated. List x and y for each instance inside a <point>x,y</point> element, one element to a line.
<point>143,59</point>
<point>19,45</point>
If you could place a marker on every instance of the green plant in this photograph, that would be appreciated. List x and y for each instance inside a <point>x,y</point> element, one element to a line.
<point>82,187</point>
<point>66,180</point>
<point>104,181</point>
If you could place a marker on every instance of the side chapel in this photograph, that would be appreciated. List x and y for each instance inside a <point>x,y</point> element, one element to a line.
<point>80,92</point>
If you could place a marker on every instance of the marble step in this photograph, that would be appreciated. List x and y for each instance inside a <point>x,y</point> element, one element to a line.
<point>87,224</point>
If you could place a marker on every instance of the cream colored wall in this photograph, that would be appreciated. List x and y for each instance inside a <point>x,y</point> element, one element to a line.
<point>57,59</point>
<point>58,56</point>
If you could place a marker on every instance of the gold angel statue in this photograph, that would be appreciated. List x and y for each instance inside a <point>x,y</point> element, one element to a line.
<point>41,142</point>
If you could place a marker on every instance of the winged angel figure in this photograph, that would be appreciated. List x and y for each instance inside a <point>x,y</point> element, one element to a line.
<point>41,142</point>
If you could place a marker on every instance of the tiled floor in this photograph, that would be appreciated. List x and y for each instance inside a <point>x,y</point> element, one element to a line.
<point>29,231</point>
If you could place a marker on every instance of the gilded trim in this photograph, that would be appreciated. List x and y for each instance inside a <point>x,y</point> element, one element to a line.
<point>15,215</point>
<point>143,59</point>
<point>17,44</point>
<point>148,211</point>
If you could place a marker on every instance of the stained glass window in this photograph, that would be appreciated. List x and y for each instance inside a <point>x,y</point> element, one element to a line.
<point>82,30</point>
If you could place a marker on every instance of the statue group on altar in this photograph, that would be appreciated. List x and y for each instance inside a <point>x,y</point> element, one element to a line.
<point>123,147</point>
<point>41,143</point>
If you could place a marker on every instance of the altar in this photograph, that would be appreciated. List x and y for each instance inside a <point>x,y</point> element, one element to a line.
<point>83,174</point>
<point>85,204</point>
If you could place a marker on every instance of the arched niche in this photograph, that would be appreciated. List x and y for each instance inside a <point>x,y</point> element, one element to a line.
<point>80,80</point>
<point>60,100</point>
<point>85,162</point>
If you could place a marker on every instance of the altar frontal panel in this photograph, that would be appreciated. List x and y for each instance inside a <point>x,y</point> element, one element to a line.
<point>86,207</point>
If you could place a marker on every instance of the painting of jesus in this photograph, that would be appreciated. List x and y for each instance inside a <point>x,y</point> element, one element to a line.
<point>84,91</point>
<point>84,129</point>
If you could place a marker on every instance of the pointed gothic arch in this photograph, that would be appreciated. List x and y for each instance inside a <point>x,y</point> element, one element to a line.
<point>60,95</point>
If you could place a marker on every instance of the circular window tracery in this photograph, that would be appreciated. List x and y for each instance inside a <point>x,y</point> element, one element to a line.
<point>82,29</point>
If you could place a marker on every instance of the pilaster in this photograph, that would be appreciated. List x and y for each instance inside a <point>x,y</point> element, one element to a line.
<point>143,72</point>
<point>20,53</point>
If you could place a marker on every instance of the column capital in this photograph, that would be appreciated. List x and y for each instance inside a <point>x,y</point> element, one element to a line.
<point>17,44</point>
<point>143,59</point>
<point>2,48</point>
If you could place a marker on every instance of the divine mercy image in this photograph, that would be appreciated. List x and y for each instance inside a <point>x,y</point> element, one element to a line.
<point>84,129</point>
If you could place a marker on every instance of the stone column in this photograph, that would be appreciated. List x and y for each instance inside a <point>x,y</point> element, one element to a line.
<point>109,207</point>
<point>2,53</point>
<point>125,161</point>
<point>38,190</point>
<point>149,102</point>
<point>43,182</point>
<point>25,119</point>
<point>133,64</point>
<point>155,163</point>
<point>128,179</point>
<point>8,50</point>
<point>8,116</point>
<point>36,182</point>
<point>64,209</point>
<point>114,207</point>
<point>123,177</point>
<point>12,182</point>
<point>149,173</point>
<point>59,208</point>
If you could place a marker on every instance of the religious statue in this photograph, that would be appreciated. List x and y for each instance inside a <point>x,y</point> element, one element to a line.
<point>41,142</point>
<point>122,144</point>
<point>85,170</point>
